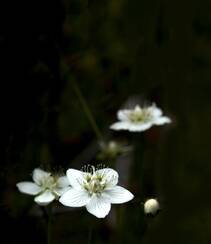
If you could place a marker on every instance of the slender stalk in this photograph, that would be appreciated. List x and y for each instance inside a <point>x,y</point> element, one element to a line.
<point>90,235</point>
<point>87,111</point>
<point>137,167</point>
<point>49,225</point>
<point>83,102</point>
<point>49,230</point>
<point>130,220</point>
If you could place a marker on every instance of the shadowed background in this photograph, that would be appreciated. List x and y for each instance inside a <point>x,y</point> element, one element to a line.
<point>115,49</point>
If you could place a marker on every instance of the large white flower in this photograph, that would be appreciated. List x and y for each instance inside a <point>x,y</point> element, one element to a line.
<point>139,119</point>
<point>45,187</point>
<point>96,190</point>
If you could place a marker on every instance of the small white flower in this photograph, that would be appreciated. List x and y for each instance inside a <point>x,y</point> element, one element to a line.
<point>151,206</point>
<point>139,119</point>
<point>45,187</point>
<point>96,190</point>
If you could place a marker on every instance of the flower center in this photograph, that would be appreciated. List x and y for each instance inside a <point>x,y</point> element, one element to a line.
<point>49,183</point>
<point>140,115</point>
<point>94,184</point>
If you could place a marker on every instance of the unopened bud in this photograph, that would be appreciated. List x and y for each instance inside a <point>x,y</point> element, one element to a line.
<point>151,206</point>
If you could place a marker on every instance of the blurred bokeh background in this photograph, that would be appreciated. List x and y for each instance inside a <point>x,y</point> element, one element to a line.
<point>116,51</point>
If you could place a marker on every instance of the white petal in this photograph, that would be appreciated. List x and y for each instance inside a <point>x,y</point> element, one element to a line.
<point>98,206</point>
<point>62,185</point>
<point>138,127</point>
<point>60,191</point>
<point>155,112</point>
<point>28,188</point>
<point>123,115</point>
<point>75,198</point>
<point>110,175</point>
<point>45,198</point>
<point>75,177</point>
<point>162,120</point>
<point>119,194</point>
<point>120,126</point>
<point>38,175</point>
<point>63,182</point>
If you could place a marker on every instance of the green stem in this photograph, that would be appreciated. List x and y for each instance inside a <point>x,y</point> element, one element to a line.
<point>120,224</point>
<point>83,102</point>
<point>90,235</point>
<point>137,167</point>
<point>131,219</point>
<point>49,225</point>
<point>87,111</point>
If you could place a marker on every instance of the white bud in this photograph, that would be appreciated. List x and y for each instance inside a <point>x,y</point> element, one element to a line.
<point>151,206</point>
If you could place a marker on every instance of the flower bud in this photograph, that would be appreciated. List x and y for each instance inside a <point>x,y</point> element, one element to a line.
<point>151,206</point>
<point>111,150</point>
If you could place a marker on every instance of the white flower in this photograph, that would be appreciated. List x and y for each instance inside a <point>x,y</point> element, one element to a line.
<point>96,190</point>
<point>139,119</point>
<point>151,206</point>
<point>45,187</point>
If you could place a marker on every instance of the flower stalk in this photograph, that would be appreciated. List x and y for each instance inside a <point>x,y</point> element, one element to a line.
<point>49,224</point>
<point>139,143</point>
<point>90,235</point>
<point>65,68</point>
<point>49,229</point>
<point>87,110</point>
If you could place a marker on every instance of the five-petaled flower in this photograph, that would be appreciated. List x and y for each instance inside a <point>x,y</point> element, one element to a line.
<point>95,190</point>
<point>139,118</point>
<point>45,187</point>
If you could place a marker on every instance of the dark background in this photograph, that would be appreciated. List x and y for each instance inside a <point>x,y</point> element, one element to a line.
<point>115,49</point>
